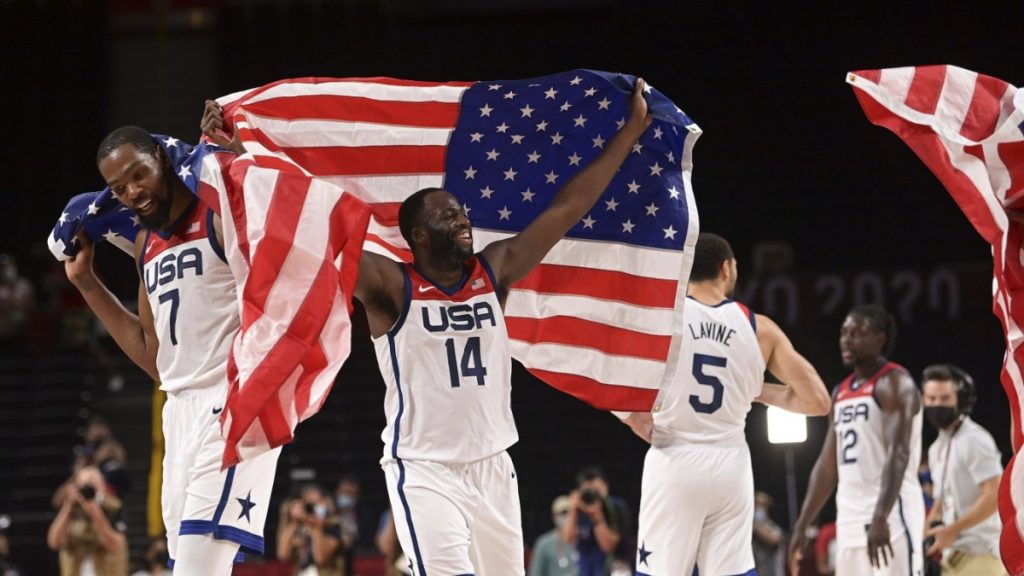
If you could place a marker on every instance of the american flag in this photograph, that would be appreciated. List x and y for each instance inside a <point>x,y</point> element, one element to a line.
<point>968,128</point>
<point>600,318</point>
<point>104,219</point>
<point>293,243</point>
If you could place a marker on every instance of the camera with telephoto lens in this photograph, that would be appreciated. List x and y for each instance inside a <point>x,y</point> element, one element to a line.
<point>88,491</point>
<point>931,539</point>
<point>588,496</point>
<point>318,510</point>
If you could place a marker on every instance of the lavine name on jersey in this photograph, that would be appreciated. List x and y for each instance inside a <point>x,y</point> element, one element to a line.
<point>713,331</point>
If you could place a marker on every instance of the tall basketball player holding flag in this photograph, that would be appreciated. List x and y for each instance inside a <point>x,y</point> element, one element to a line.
<point>187,317</point>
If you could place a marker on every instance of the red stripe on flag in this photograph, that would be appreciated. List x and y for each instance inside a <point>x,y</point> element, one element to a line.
<point>870,75</point>
<point>926,88</point>
<point>369,160</point>
<point>403,255</point>
<point>600,395</point>
<point>1011,541</point>
<point>1012,155</point>
<point>349,220</point>
<point>983,112</point>
<point>602,284</point>
<point>272,420</point>
<point>282,220</point>
<point>386,212</point>
<point>236,172</point>
<point>330,107</point>
<point>574,331</point>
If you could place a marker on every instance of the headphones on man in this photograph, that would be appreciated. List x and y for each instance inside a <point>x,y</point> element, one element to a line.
<point>965,394</point>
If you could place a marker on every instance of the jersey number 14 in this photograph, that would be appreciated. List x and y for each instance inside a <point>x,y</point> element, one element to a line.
<point>471,365</point>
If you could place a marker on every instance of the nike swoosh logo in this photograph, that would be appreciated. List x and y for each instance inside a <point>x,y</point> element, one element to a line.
<point>218,410</point>
<point>423,289</point>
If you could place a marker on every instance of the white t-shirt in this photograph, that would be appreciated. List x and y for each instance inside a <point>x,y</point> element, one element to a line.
<point>973,459</point>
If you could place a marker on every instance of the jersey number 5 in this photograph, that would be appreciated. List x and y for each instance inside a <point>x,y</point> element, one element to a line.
<point>471,364</point>
<point>700,363</point>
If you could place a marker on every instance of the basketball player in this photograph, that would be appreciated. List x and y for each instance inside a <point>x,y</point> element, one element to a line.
<point>188,314</point>
<point>697,494</point>
<point>442,348</point>
<point>871,452</point>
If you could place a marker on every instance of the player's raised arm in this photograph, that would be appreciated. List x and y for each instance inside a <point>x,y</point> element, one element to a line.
<point>823,481</point>
<point>133,333</point>
<point>803,391</point>
<point>513,258</point>
<point>900,402</point>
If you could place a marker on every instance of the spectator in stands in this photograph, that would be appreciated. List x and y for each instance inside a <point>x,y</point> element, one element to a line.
<point>395,560</point>
<point>155,559</point>
<point>7,566</point>
<point>346,500</point>
<point>309,534</point>
<point>551,555</point>
<point>88,531</point>
<point>767,538</point>
<point>596,524</point>
<point>17,299</point>
<point>107,453</point>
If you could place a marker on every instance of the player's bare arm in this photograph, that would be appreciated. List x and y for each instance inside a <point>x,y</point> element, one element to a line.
<point>515,257</point>
<point>900,400</point>
<point>802,390</point>
<point>823,481</point>
<point>134,334</point>
<point>379,287</point>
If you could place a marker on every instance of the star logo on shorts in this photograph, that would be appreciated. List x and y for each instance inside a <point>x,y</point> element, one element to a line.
<point>247,506</point>
<point>644,553</point>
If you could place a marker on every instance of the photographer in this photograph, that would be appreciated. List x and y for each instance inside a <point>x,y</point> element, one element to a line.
<point>966,468</point>
<point>309,534</point>
<point>88,531</point>
<point>596,523</point>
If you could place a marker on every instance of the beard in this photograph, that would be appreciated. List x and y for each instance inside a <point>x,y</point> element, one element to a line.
<point>444,248</point>
<point>159,218</point>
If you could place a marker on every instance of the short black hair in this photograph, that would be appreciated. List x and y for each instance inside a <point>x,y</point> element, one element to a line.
<point>141,139</point>
<point>708,256</point>
<point>409,212</point>
<point>881,321</point>
<point>589,473</point>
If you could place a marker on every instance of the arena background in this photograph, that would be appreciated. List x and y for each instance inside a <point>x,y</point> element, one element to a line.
<point>824,210</point>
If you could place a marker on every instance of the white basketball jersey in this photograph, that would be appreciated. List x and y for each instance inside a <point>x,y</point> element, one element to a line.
<point>861,455</point>
<point>721,371</point>
<point>447,366</point>
<point>192,294</point>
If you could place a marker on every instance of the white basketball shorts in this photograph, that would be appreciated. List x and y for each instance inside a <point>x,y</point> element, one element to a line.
<point>197,497</point>
<point>456,519</point>
<point>696,509</point>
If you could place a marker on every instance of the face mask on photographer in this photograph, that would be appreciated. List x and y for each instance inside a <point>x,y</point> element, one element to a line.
<point>560,520</point>
<point>345,501</point>
<point>940,416</point>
